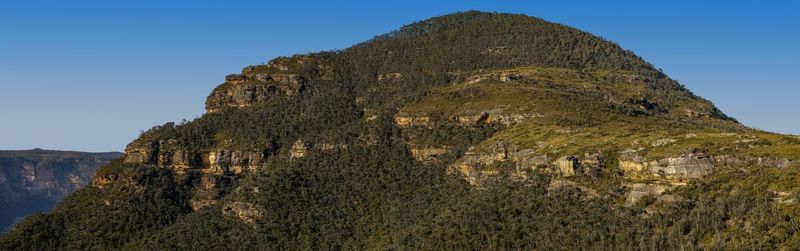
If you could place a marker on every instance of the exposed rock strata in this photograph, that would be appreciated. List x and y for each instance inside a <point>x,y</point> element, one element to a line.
<point>406,120</point>
<point>428,154</point>
<point>675,169</point>
<point>494,117</point>
<point>502,77</point>
<point>242,91</point>
<point>679,169</point>
<point>169,153</point>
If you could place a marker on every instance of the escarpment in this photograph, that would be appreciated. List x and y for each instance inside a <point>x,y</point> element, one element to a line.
<point>411,139</point>
<point>575,124</point>
<point>281,78</point>
<point>168,153</point>
<point>241,90</point>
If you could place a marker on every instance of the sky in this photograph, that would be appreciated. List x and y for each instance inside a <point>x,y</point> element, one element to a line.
<point>91,75</point>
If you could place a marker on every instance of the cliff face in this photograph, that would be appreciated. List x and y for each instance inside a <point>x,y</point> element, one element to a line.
<point>584,124</point>
<point>281,78</point>
<point>181,159</point>
<point>35,180</point>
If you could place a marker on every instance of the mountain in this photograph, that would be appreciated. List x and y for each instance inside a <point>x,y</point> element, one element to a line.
<point>34,180</point>
<point>471,130</point>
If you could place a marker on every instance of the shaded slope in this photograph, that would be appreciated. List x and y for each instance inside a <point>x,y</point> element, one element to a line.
<point>34,180</point>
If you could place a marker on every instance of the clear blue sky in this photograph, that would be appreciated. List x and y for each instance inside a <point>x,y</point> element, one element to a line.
<point>90,75</point>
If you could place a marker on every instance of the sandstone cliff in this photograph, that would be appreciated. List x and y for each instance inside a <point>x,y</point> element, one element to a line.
<point>35,180</point>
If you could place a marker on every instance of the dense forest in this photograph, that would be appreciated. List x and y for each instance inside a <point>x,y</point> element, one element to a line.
<point>373,193</point>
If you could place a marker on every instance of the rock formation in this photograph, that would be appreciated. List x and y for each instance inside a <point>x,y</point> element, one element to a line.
<point>35,180</point>
<point>428,154</point>
<point>299,149</point>
<point>170,154</point>
<point>242,91</point>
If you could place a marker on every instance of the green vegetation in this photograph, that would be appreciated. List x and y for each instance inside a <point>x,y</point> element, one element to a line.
<point>583,94</point>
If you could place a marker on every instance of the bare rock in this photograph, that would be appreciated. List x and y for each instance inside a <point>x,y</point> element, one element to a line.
<point>240,90</point>
<point>529,159</point>
<point>244,211</point>
<point>674,169</point>
<point>171,154</point>
<point>566,166</point>
<point>407,120</point>
<point>428,154</point>
<point>390,76</point>
<point>299,149</point>
<point>235,78</point>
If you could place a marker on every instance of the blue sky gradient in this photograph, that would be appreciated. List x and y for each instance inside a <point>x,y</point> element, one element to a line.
<point>90,75</point>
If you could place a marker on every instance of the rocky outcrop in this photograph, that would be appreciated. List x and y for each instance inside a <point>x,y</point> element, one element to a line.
<point>428,154</point>
<point>241,90</point>
<point>330,147</point>
<point>403,119</point>
<point>235,78</point>
<point>471,164</point>
<point>694,114</point>
<point>784,197</point>
<point>502,77</point>
<point>171,154</point>
<point>527,159</point>
<point>295,63</point>
<point>244,211</point>
<point>738,161</point>
<point>390,76</point>
<point>280,78</point>
<point>494,117</point>
<point>234,162</point>
<point>299,149</point>
<point>675,169</point>
<point>567,166</point>
<point>680,169</point>
<point>407,120</point>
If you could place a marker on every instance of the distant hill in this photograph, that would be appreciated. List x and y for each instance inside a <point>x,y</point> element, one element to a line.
<point>34,180</point>
<point>469,131</point>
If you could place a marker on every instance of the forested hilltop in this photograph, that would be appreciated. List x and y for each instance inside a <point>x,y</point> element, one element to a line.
<point>467,131</point>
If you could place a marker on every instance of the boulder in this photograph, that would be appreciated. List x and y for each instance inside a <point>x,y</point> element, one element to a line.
<point>566,166</point>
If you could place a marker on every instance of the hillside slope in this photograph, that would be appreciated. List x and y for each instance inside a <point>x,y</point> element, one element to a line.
<point>467,131</point>
<point>34,180</point>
